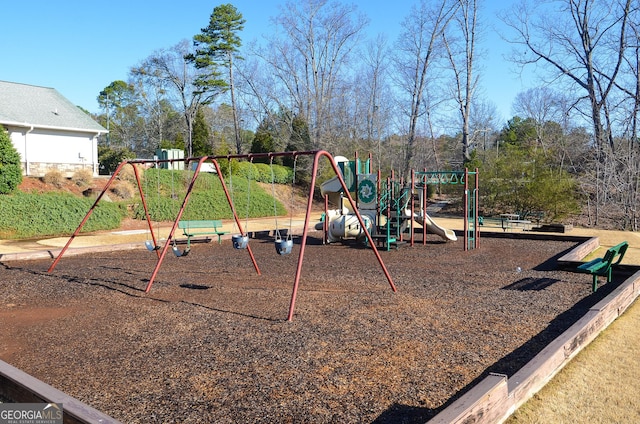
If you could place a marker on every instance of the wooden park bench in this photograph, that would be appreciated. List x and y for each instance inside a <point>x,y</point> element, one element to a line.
<point>602,266</point>
<point>201,228</point>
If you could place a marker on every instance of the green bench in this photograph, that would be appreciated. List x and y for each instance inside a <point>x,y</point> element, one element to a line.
<point>602,266</point>
<point>202,228</point>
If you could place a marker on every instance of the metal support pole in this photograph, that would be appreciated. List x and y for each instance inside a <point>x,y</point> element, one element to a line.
<point>475,197</point>
<point>413,184</point>
<point>325,222</point>
<point>465,200</point>
<point>425,192</point>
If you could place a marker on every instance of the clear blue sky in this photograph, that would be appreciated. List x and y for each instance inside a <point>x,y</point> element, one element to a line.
<point>80,47</point>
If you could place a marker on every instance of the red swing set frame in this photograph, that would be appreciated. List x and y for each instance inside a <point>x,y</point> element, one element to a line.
<point>161,253</point>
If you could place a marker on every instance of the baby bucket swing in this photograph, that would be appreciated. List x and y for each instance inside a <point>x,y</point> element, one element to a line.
<point>240,241</point>
<point>283,245</point>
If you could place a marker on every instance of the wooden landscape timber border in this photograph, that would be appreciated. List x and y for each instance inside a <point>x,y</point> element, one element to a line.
<point>498,396</point>
<point>19,387</point>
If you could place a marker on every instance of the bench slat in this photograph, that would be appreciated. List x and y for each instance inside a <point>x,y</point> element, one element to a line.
<point>200,224</point>
<point>594,266</point>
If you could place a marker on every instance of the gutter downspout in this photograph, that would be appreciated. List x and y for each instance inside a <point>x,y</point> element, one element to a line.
<point>95,165</point>
<point>27,167</point>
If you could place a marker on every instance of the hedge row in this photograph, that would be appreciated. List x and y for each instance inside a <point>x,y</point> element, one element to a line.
<point>28,215</point>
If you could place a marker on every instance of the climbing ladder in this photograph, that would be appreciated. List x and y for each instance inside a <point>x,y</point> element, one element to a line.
<point>394,200</point>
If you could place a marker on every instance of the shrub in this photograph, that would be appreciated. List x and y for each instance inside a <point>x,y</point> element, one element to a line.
<point>124,189</point>
<point>55,178</point>
<point>110,158</point>
<point>282,174</point>
<point>82,177</point>
<point>528,182</point>
<point>262,172</point>
<point>10,170</point>
<point>245,170</point>
<point>128,174</point>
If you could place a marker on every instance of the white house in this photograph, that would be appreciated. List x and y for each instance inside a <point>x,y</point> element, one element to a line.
<point>48,130</point>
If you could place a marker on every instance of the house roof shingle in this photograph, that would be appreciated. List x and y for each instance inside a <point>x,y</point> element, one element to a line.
<point>23,104</point>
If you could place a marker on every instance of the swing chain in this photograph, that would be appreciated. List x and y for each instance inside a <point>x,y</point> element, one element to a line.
<point>273,194</point>
<point>293,181</point>
<point>246,224</point>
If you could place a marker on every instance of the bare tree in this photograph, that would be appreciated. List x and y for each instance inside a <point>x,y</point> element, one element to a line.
<point>484,123</point>
<point>580,41</point>
<point>362,113</point>
<point>153,106</point>
<point>309,60</point>
<point>460,42</point>
<point>629,87</point>
<point>540,104</point>
<point>419,47</point>
<point>178,76</point>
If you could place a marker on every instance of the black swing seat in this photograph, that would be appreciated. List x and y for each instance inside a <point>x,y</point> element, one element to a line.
<point>284,246</point>
<point>180,253</point>
<point>240,241</point>
<point>150,247</point>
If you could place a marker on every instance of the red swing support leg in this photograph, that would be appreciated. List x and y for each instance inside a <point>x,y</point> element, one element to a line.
<point>104,190</point>
<point>296,283</point>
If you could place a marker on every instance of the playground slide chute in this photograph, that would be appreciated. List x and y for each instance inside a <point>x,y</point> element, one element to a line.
<point>433,227</point>
<point>331,186</point>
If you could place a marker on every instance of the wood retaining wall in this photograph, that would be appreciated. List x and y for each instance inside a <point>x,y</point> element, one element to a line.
<point>497,396</point>
<point>20,387</point>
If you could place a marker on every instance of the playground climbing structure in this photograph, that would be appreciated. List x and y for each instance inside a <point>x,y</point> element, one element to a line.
<point>391,207</point>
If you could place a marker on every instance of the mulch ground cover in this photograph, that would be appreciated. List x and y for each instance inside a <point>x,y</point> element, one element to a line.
<point>210,341</point>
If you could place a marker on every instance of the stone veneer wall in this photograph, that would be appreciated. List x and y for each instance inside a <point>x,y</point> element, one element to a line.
<point>39,169</point>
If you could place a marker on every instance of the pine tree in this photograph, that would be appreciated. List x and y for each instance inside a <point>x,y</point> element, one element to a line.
<point>200,139</point>
<point>217,46</point>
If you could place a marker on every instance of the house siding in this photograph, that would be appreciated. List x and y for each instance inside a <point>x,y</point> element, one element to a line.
<point>65,151</point>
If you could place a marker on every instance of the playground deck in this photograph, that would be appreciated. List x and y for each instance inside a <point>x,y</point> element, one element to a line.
<point>211,343</point>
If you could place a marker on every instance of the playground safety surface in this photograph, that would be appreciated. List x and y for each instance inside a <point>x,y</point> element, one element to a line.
<point>209,342</point>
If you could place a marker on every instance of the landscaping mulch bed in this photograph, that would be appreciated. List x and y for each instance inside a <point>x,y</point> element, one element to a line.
<point>210,342</point>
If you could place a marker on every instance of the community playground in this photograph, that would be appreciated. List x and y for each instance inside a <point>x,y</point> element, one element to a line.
<point>203,338</point>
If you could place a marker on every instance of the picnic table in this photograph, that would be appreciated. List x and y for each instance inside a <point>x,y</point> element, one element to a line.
<point>512,220</point>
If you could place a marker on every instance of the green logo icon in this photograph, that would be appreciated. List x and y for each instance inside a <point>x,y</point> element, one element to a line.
<point>366,191</point>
